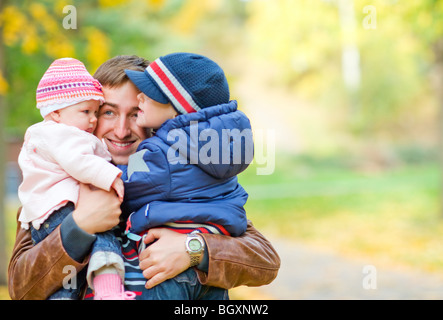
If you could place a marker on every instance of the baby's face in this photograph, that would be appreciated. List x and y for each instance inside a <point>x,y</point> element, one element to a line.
<point>82,115</point>
<point>153,114</point>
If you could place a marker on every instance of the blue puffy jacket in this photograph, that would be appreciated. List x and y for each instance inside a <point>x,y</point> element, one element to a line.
<point>193,159</point>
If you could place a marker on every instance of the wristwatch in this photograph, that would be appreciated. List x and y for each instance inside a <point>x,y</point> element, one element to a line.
<point>195,247</point>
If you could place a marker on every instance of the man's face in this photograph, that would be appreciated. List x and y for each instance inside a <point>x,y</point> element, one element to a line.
<point>117,122</point>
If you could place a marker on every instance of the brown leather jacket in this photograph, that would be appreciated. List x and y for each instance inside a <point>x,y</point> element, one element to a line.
<point>35,272</point>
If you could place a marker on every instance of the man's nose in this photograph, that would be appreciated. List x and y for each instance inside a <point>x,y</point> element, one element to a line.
<point>121,128</point>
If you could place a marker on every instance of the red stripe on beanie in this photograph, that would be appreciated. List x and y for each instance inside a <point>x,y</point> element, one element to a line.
<point>171,87</point>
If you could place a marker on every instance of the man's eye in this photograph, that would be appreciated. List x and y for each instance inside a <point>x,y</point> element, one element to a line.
<point>108,113</point>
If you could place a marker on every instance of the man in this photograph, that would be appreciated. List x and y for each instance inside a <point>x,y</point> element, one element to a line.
<point>226,262</point>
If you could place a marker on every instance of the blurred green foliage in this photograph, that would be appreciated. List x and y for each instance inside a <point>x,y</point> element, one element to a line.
<point>34,36</point>
<point>305,40</point>
<point>391,217</point>
<point>302,39</point>
<point>375,188</point>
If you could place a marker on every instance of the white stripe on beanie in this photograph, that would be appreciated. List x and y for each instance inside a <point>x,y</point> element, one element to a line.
<point>45,110</point>
<point>182,91</point>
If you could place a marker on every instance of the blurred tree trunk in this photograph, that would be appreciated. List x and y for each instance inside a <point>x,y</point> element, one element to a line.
<point>351,72</point>
<point>438,51</point>
<point>3,255</point>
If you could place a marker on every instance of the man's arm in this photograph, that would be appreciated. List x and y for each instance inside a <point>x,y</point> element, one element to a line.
<point>232,261</point>
<point>249,260</point>
<point>35,272</point>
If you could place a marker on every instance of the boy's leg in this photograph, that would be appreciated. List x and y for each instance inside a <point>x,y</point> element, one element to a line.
<point>184,286</point>
<point>181,287</point>
<point>213,293</point>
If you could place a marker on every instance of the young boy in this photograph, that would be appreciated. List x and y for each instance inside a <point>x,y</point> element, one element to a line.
<point>185,98</point>
<point>58,153</point>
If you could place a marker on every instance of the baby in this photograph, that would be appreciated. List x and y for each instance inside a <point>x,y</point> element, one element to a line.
<point>57,154</point>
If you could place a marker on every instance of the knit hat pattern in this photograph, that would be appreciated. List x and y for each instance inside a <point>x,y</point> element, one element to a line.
<point>65,83</point>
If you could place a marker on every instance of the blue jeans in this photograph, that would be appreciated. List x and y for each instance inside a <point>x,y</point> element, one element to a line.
<point>184,286</point>
<point>105,242</point>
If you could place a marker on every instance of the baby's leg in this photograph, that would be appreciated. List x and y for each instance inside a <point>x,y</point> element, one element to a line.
<point>106,270</point>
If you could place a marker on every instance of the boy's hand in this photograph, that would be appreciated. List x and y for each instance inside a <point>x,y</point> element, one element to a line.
<point>119,188</point>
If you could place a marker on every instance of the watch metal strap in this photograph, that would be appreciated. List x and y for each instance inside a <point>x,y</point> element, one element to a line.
<point>194,260</point>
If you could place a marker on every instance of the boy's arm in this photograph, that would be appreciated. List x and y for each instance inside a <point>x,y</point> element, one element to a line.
<point>146,177</point>
<point>228,213</point>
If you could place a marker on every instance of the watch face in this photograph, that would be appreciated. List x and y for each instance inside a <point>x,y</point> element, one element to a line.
<point>195,245</point>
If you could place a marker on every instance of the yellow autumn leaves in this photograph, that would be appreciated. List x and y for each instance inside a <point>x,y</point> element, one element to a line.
<point>40,29</point>
<point>191,13</point>
<point>3,85</point>
<point>154,4</point>
<point>34,29</point>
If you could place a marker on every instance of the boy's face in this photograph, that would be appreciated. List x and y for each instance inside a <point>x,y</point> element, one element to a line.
<point>82,115</point>
<point>117,122</point>
<point>153,114</point>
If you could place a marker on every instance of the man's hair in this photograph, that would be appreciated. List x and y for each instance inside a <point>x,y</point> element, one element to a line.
<point>112,72</point>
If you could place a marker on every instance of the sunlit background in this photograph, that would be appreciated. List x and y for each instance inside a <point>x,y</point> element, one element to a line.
<point>344,98</point>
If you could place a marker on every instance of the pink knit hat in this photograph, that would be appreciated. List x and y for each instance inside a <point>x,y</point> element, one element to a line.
<point>65,83</point>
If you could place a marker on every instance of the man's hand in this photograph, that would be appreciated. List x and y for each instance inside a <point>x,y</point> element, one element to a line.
<point>165,258</point>
<point>97,210</point>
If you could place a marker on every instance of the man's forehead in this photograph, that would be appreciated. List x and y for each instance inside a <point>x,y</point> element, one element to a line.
<point>110,104</point>
<point>116,106</point>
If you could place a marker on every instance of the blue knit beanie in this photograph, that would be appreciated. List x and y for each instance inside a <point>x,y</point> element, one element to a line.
<point>188,81</point>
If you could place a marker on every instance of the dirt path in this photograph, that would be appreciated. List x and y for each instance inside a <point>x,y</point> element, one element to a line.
<point>311,274</point>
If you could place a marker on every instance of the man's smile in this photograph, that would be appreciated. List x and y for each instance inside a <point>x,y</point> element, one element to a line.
<point>121,144</point>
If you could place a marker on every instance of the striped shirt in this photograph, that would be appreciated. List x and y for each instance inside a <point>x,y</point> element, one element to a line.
<point>134,279</point>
